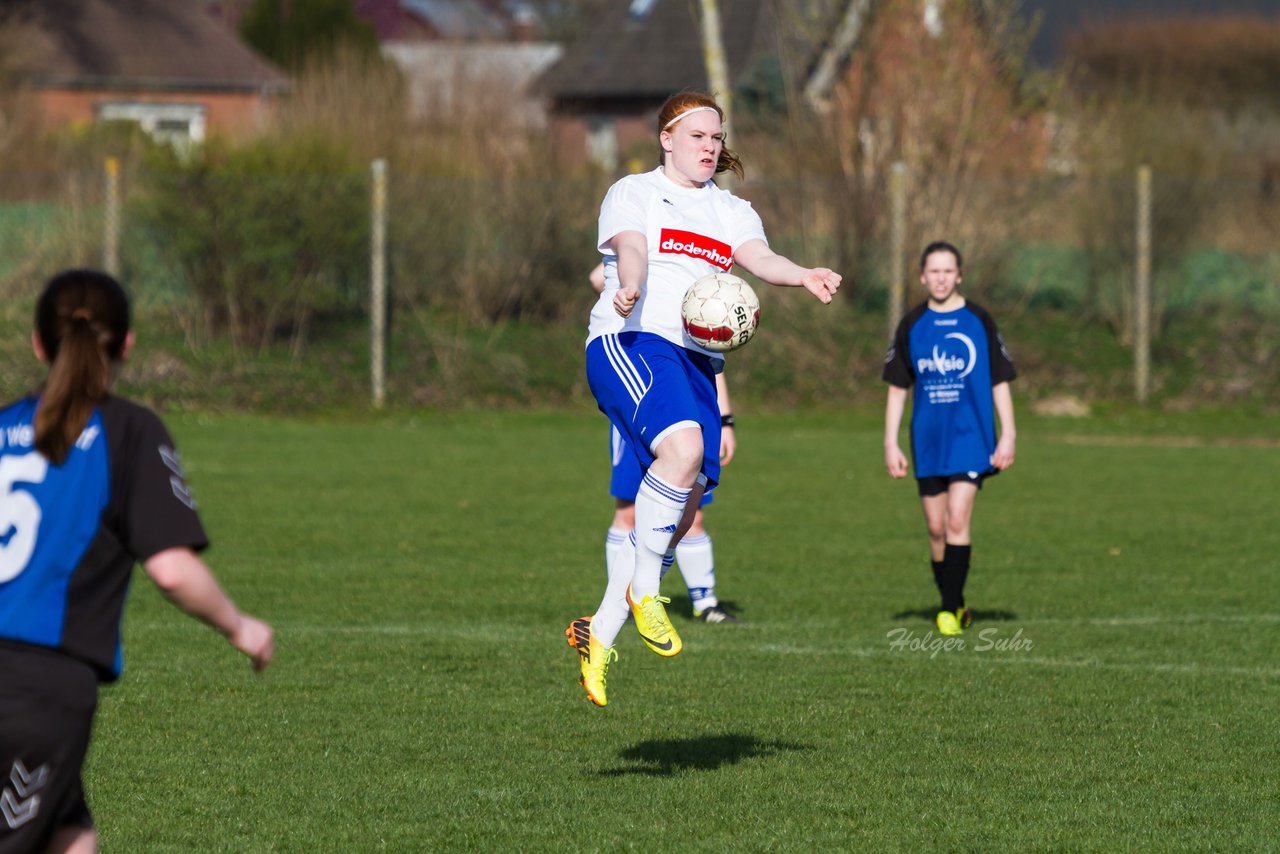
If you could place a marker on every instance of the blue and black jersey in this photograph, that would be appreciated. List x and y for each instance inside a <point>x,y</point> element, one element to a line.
<point>953,359</point>
<point>70,534</point>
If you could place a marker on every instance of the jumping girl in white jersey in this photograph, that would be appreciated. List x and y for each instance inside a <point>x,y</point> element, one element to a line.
<point>659,232</point>
<point>694,552</point>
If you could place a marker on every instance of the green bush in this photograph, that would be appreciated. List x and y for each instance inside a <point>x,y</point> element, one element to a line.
<point>493,249</point>
<point>261,238</point>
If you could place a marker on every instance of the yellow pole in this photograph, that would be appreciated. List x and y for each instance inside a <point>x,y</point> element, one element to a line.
<point>111,223</point>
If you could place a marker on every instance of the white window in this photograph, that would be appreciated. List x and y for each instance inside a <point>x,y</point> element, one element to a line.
<point>174,123</point>
<point>640,9</point>
<point>602,142</point>
<point>933,17</point>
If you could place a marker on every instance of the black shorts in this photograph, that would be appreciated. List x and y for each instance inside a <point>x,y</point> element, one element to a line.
<point>47,701</point>
<point>940,483</point>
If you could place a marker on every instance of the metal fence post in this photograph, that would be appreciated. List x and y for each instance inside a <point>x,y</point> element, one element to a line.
<point>1142,290</point>
<point>378,284</point>
<point>111,221</point>
<point>717,68</point>
<point>897,244</point>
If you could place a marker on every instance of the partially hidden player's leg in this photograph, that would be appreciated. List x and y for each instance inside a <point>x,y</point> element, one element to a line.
<point>696,557</point>
<point>697,565</point>
<point>624,520</point>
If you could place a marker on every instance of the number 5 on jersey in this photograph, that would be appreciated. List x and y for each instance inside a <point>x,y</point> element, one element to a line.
<point>19,512</point>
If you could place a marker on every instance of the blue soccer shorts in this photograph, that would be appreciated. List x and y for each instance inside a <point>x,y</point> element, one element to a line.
<point>624,482</point>
<point>648,386</point>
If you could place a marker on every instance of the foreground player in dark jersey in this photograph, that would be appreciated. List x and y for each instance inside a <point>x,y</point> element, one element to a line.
<point>90,484</point>
<point>950,350</point>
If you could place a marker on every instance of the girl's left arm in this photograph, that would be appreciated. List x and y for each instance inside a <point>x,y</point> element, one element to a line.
<point>758,259</point>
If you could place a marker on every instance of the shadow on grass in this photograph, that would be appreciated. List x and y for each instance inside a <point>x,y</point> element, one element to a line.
<point>664,757</point>
<point>682,606</point>
<point>992,615</point>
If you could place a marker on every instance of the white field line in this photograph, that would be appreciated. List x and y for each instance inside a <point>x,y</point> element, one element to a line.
<point>973,646</point>
<point>1003,625</point>
<point>1104,441</point>
<point>1155,620</point>
<point>1019,658</point>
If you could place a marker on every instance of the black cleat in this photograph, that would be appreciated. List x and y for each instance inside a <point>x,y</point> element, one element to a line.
<point>715,614</point>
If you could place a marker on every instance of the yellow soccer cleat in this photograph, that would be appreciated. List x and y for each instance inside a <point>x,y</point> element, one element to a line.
<point>965,616</point>
<point>594,658</point>
<point>949,624</point>
<point>654,625</point>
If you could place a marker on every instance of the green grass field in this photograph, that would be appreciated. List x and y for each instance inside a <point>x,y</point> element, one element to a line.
<point>1118,691</point>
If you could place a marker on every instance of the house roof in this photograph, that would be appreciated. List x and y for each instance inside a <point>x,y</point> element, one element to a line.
<point>441,75</point>
<point>458,20</point>
<point>445,20</point>
<point>647,49</point>
<point>1059,20</point>
<point>135,44</point>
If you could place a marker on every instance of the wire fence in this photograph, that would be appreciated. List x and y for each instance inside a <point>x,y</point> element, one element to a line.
<point>257,258</point>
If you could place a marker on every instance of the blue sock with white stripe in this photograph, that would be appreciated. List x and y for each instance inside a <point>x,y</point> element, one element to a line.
<point>659,506</point>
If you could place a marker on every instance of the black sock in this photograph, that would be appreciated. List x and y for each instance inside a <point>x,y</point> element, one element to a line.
<point>938,574</point>
<point>955,572</point>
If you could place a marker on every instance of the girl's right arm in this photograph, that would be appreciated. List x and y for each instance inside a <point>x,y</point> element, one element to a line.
<point>894,460</point>
<point>632,250</point>
<point>187,582</point>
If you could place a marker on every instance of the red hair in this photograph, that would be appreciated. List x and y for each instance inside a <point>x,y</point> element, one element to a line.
<point>682,102</point>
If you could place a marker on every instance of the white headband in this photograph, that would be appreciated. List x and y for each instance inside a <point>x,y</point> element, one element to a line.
<point>687,112</point>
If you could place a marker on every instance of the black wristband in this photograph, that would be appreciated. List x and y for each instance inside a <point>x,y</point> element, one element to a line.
<point>726,420</point>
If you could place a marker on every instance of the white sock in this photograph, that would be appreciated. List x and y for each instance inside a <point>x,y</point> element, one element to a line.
<point>615,542</point>
<point>614,610</point>
<point>668,560</point>
<point>698,566</point>
<point>659,506</point>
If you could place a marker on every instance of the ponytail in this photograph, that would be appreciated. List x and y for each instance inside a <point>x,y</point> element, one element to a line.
<point>82,321</point>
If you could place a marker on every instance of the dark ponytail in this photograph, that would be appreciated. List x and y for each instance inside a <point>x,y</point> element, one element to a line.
<point>82,321</point>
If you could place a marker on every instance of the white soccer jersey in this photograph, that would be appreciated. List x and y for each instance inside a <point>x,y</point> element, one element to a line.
<point>690,231</point>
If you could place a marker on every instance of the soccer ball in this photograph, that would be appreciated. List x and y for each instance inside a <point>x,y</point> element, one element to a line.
<point>720,312</point>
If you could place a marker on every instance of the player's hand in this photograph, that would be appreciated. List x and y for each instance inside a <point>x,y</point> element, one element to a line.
<point>822,283</point>
<point>625,300</point>
<point>1003,457</point>
<point>728,444</point>
<point>255,639</point>
<point>895,462</point>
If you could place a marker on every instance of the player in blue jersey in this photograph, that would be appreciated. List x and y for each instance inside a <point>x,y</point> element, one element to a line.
<point>658,233</point>
<point>90,484</point>
<point>694,554</point>
<point>949,349</point>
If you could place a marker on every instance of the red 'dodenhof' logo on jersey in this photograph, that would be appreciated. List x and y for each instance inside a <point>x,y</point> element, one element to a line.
<point>673,241</point>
